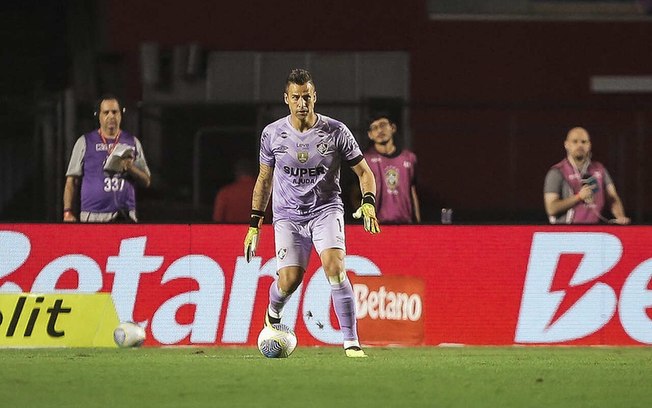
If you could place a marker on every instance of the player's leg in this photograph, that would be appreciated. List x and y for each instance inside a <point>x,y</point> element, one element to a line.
<point>328,236</point>
<point>280,291</point>
<point>293,247</point>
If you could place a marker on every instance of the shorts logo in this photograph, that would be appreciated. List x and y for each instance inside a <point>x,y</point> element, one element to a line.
<point>302,157</point>
<point>322,148</point>
<point>281,253</point>
<point>284,134</point>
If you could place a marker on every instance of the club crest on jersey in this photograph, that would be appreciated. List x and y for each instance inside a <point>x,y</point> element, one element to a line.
<point>322,148</point>
<point>302,157</point>
<point>392,178</point>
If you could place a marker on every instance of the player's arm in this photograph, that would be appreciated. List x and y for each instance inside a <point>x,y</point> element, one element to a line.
<point>70,192</point>
<point>367,210</point>
<point>262,188</point>
<point>260,198</point>
<point>617,208</point>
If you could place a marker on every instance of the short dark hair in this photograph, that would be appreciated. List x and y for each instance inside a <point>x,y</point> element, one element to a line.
<point>374,116</point>
<point>298,76</point>
<point>107,97</point>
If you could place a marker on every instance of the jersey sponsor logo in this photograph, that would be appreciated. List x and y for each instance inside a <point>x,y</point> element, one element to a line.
<point>302,157</point>
<point>311,171</point>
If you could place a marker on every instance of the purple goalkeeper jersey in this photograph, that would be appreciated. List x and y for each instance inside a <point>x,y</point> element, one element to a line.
<point>307,166</point>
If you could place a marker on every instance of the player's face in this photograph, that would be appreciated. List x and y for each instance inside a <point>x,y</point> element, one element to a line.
<point>301,100</point>
<point>110,116</point>
<point>578,144</point>
<point>381,131</point>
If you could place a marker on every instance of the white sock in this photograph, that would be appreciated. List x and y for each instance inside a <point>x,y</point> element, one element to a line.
<point>351,343</point>
<point>273,313</point>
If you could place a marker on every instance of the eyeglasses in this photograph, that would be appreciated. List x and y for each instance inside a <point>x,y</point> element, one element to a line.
<point>381,125</point>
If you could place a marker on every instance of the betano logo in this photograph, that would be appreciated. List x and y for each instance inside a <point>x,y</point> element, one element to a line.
<point>383,304</point>
<point>552,311</point>
<point>390,309</point>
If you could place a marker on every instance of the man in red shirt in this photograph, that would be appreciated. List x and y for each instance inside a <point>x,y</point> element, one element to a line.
<point>233,201</point>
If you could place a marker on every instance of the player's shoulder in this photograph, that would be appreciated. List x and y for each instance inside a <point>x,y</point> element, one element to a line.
<point>275,127</point>
<point>330,125</point>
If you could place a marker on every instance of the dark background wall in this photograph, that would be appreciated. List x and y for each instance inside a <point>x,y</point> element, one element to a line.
<point>491,100</point>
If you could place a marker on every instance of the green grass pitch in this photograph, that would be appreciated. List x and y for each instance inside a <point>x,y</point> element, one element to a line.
<point>324,377</point>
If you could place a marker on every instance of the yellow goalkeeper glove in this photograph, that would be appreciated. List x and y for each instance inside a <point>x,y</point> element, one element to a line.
<point>367,212</point>
<point>251,240</point>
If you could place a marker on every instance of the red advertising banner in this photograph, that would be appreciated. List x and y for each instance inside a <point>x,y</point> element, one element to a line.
<point>390,309</point>
<point>493,285</point>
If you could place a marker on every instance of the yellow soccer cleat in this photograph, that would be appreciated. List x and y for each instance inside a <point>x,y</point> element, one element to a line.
<point>355,352</point>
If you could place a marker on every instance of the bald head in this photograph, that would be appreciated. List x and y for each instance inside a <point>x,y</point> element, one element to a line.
<point>578,132</point>
<point>578,144</point>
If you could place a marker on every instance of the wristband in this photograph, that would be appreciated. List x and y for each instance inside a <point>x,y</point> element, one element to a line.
<point>369,198</point>
<point>256,218</point>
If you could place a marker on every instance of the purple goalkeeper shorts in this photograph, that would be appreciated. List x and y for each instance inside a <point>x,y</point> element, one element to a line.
<point>294,240</point>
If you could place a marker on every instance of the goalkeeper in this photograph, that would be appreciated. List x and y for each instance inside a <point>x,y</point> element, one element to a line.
<point>300,158</point>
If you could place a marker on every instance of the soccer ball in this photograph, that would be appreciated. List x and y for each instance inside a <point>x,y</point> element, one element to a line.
<point>129,334</point>
<point>278,341</point>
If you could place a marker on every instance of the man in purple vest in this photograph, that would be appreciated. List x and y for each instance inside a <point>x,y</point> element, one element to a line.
<point>106,195</point>
<point>300,157</point>
<point>576,189</point>
<point>395,172</point>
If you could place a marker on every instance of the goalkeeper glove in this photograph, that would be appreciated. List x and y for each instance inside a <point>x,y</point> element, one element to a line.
<point>251,240</point>
<point>367,212</point>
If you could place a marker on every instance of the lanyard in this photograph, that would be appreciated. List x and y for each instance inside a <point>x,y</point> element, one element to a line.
<point>109,147</point>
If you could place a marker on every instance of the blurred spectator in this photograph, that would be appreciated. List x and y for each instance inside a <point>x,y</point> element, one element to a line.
<point>233,201</point>
<point>395,171</point>
<point>576,189</point>
<point>107,193</point>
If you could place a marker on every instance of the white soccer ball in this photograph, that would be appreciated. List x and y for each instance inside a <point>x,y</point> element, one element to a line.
<point>278,341</point>
<point>129,334</point>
